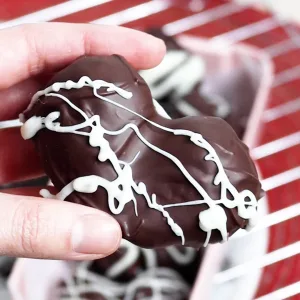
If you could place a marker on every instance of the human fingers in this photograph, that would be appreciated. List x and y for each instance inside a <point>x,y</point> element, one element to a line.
<point>52,229</point>
<point>36,48</point>
<point>15,99</point>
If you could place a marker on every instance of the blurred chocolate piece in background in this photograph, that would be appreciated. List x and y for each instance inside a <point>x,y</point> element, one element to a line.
<point>180,84</point>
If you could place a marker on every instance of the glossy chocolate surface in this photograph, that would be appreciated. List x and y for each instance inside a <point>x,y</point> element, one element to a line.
<point>69,156</point>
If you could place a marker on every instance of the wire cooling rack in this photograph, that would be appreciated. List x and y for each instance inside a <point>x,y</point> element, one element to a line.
<point>278,150</point>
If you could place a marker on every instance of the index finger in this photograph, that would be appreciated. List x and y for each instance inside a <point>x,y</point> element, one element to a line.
<point>31,49</point>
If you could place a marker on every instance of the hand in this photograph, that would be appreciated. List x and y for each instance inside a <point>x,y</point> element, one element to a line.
<point>31,226</point>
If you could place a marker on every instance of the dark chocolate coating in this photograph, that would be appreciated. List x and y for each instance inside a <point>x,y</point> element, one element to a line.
<point>69,156</point>
<point>140,290</point>
<point>164,259</point>
<point>187,271</point>
<point>92,296</point>
<point>240,108</point>
<point>100,266</point>
<point>142,293</point>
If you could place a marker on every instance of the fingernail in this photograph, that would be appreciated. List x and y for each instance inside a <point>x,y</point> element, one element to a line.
<point>95,234</point>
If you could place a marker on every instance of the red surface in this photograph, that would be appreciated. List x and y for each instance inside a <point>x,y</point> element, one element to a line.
<point>287,60</point>
<point>285,92</point>
<point>99,11</point>
<point>284,238</point>
<point>284,196</point>
<point>10,9</point>
<point>159,19</point>
<point>279,274</point>
<point>228,23</point>
<point>268,39</point>
<point>171,15</point>
<point>275,130</point>
<point>290,157</point>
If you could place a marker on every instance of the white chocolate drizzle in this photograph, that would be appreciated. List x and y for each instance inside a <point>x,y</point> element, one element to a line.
<point>133,253</point>
<point>105,285</point>
<point>158,281</point>
<point>213,217</point>
<point>171,74</point>
<point>178,74</point>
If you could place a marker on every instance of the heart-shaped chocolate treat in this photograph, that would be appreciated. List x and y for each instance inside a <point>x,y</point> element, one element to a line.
<point>186,181</point>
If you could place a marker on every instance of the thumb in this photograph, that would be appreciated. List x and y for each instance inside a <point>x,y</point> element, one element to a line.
<point>38,228</point>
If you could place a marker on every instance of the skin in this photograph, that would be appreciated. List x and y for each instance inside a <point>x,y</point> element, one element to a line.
<point>31,226</point>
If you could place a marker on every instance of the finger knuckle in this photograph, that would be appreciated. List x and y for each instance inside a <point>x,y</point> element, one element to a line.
<point>29,35</point>
<point>27,227</point>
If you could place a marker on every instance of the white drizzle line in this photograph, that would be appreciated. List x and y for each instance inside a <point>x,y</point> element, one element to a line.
<point>133,253</point>
<point>171,61</point>
<point>89,282</point>
<point>131,256</point>
<point>169,77</point>
<point>185,108</point>
<point>222,106</point>
<point>83,82</point>
<point>172,72</point>
<point>212,218</point>
<point>182,258</point>
<point>157,280</point>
